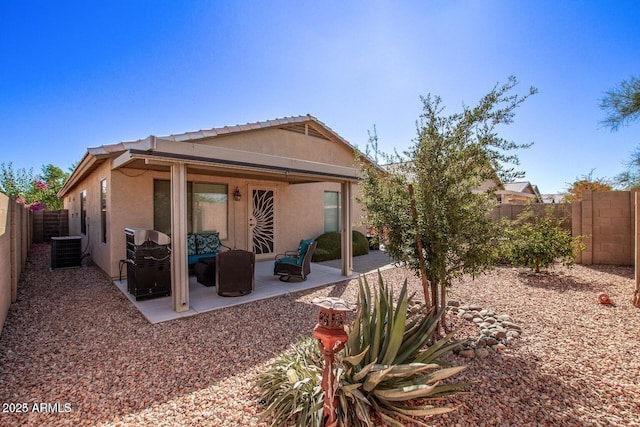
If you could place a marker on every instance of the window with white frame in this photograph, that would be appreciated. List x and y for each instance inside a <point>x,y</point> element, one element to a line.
<point>207,207</point>
<point>83,212</point>
<point>331,211</point>
<point>103,210</point>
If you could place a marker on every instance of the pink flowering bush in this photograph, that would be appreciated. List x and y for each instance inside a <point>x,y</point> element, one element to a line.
<point>37,206</point>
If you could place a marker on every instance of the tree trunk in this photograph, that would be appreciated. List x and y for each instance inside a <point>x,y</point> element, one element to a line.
<point>635,300</point>
<point>435,299</point>
<point>443,302</point>
<point>423,270</point>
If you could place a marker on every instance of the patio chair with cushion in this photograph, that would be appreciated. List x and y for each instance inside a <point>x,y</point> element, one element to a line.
<point>295,264</point>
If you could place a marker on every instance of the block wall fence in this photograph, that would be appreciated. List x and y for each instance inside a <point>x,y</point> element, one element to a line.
<point>560,210</point>
<point>15,241</point>
<point>606,220</point>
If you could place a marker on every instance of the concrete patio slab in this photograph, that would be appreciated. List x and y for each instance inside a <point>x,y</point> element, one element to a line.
<point>203,299</point>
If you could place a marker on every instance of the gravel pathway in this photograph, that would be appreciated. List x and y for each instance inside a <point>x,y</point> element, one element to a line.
<point>74,351</point>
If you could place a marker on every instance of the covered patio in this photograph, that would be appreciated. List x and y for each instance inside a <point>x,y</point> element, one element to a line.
<point>263,187</point>
<point>215,161</point>
<point>204,299</point>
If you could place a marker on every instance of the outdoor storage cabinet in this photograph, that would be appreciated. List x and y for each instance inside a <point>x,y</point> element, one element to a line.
<point>235,272</point>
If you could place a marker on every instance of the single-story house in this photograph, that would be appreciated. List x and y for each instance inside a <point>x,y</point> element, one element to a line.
<point>519,193</point>
<point>262,186</point>
<point>513,193</point>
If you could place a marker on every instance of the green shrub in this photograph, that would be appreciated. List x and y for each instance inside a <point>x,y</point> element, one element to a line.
<point>389,367</point>
<point>538,242</point>
<point>329,246</point>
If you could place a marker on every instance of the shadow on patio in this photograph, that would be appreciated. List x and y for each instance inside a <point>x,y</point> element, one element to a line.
<point>203,299</point>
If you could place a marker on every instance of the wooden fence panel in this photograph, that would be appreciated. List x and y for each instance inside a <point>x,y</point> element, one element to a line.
<point>48,224</point>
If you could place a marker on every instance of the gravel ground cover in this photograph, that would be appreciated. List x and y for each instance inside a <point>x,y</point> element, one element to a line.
<point>74,351</point>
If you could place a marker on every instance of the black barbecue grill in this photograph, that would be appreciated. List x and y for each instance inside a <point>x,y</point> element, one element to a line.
<point>148,263</point>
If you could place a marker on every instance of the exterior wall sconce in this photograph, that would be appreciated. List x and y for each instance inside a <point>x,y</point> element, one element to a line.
<point>332,336</point>
<point>236,194</point>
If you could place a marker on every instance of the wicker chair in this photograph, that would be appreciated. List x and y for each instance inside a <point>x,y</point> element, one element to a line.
<point>295,264</point>
<point>235,272</point>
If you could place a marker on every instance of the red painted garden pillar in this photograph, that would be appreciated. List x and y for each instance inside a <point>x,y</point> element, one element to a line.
<point>331,335</point>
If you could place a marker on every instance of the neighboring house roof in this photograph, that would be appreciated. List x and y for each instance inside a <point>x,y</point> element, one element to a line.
<point>307,125</point>
<point>553,198</point>
<point>518,187</point>
<point>521,190</point>
<point>508,191</point>
<point>401,168</point>
<point>488,185</point>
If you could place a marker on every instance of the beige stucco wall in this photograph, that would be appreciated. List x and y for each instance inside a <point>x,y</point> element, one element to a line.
<point>100,253</point>
<point>302,212</point>
<point>285,143</point>
<point>299,210</point>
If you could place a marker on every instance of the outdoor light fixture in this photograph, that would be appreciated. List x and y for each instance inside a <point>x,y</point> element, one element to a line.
<point>236,194</point>
<point>331,336</point>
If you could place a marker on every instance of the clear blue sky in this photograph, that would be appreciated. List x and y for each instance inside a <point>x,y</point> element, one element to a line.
<point>78,74</point>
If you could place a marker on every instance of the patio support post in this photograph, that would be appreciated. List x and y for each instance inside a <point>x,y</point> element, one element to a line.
<point>346,238</point>
<point>179,268</point>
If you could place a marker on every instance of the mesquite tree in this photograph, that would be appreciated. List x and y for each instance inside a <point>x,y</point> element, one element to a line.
<point>427,207</point>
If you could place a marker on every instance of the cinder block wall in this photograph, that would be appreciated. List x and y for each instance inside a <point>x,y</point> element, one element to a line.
<point>15,240</point>
<point>561,211</point>
<point>606,221</point>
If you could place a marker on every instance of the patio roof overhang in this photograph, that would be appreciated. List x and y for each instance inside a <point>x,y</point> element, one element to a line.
<point>157,153</point>
<point>181,158</point>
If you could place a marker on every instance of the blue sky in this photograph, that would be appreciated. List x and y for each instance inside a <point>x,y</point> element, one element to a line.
<point>78,74</point>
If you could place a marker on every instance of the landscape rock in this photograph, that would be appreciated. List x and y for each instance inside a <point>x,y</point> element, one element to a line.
<point>482,352</point>
<point>496,330</point>
<point>467,353</point>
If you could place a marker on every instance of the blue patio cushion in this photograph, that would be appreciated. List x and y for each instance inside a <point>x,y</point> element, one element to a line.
<point>288,260</point>
<point>208,243</point>
<point>191,244</point>
<point>302,250</point>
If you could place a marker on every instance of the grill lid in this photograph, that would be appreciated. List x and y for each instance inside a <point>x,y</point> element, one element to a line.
<point>158,237</point>
<point>139,234</point>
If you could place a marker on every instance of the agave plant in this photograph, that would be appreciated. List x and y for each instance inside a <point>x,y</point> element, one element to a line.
<point>391,357</point>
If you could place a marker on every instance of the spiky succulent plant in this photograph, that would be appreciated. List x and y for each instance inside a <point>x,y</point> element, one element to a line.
<point>391,358</point>
<point>389,368</point>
